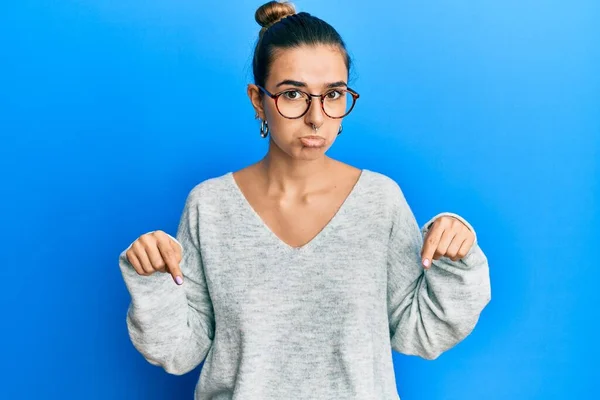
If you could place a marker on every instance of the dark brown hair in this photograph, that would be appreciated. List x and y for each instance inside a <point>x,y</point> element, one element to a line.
<point>283,28</point>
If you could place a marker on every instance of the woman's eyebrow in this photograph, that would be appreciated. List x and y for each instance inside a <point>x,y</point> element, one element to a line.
<point>337,84</point>
<point>302,84</point>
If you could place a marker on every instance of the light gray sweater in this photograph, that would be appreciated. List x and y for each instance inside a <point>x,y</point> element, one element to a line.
<point>273,322</point>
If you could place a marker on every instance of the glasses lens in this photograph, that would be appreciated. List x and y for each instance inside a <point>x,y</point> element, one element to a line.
<point>292,103</point>
<point>338,103</point>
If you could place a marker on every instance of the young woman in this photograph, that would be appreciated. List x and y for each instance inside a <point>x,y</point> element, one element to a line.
<point>296,276</point>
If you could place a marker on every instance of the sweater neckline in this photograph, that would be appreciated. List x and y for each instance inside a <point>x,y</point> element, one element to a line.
<point>330,225</point>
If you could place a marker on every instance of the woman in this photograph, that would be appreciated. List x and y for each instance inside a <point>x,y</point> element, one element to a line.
<point>297,275</point>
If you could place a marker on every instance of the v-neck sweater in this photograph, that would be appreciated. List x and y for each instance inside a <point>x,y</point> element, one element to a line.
<point>271,321</point>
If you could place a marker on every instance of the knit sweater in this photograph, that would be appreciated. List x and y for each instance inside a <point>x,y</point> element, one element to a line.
<point>271,321</point>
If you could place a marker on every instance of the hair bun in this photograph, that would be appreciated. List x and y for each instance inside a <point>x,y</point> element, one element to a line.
<point>271,12</point>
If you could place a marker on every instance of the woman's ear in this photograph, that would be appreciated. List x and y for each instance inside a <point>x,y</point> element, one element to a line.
<point>255,98</point>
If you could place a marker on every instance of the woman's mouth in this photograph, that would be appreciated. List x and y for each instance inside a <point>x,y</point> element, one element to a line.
<point>313,141</point>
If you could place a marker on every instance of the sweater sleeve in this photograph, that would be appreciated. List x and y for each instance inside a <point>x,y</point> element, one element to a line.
<point>431,311</point>
<point>172,326</point>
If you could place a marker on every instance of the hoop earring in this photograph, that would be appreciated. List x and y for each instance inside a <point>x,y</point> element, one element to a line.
<point>341,129</point>
<point>264,129</point>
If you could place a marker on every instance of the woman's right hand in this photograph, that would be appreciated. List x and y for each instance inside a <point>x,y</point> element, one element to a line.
<point>156,252</point>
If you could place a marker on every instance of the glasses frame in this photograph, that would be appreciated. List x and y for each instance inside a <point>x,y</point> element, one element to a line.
<point>275,97</point>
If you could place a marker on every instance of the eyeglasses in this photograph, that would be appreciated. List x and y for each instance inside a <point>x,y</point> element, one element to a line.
<point>294,103</point>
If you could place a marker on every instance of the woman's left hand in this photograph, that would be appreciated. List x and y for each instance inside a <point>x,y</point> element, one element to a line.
<point>447,237</point>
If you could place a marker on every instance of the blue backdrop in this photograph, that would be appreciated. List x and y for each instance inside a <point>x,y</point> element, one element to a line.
<point>110,112</point>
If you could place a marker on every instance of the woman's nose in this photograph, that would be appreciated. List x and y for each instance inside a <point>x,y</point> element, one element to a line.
<point>315,113</point>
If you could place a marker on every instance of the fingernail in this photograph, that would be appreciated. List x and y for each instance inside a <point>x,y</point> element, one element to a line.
<point>426,263</point>
<point>178,280</point>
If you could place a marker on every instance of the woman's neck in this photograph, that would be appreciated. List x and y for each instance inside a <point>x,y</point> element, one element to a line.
<point>282,174</point>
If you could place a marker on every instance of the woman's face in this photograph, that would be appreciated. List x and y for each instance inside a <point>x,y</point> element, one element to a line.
<point>312,69</point>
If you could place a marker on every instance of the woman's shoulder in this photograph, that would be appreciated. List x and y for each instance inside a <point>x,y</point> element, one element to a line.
<point>380,196</point>
<point>381,183</point>
<point>369,178</point>
<point>211,191</point>
<point>385,191</point>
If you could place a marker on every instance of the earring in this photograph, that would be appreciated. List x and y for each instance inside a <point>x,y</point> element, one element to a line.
<point>264,129</point>
<point>341,129</point>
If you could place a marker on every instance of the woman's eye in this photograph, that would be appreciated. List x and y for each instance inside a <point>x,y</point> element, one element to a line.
<point>292,94</point>
<point>334,94</point>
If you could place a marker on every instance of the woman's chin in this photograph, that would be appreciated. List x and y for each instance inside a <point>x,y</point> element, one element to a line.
<point>305,149</point>
<point>310,152</point>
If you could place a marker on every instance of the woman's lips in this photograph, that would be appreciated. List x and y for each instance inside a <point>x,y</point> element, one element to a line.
<point>312,141</point>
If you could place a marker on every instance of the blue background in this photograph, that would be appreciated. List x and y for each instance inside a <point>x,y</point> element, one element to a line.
<point>110,112</point>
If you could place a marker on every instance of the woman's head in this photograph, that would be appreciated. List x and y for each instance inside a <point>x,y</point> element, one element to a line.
<point>283,28</point>
<point>295,53</point>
